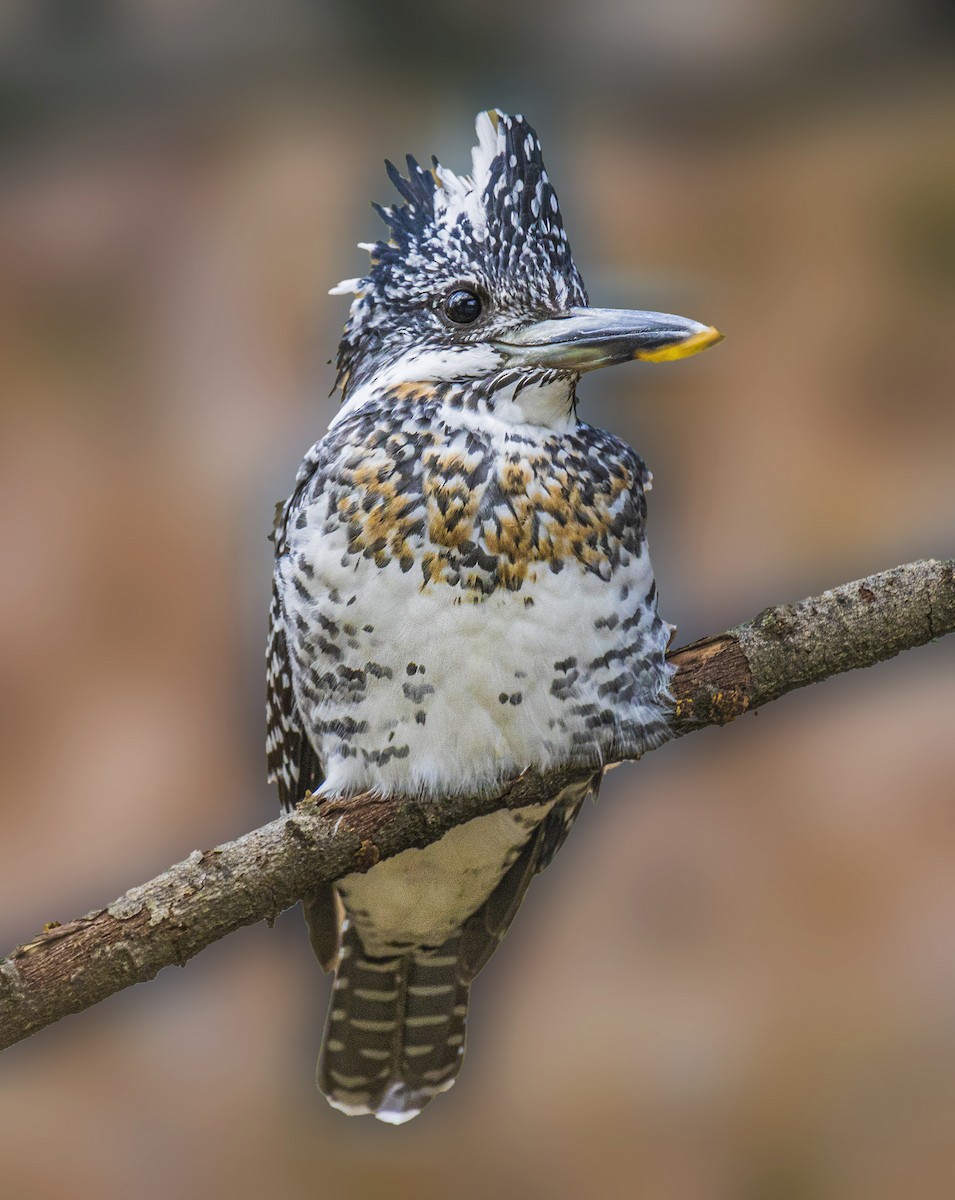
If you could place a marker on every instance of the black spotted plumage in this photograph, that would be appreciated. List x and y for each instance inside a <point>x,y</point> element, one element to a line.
<point>462,591</point>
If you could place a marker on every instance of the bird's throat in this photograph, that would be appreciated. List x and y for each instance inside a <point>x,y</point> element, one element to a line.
<point>548,403</point>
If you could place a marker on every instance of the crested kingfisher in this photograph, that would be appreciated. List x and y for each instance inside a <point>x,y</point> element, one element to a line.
<point>462,591</point>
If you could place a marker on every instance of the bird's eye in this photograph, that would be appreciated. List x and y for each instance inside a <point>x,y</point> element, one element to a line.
<point>463,307</point>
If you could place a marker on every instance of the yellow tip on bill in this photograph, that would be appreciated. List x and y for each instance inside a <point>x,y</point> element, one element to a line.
<point>691,345</point>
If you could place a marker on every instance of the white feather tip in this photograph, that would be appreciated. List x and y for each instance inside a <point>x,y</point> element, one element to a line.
<point>346,288</point>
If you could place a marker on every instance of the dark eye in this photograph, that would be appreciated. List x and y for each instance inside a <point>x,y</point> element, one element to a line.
<point>462,306</point>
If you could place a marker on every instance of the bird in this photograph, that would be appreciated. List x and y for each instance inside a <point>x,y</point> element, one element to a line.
<point>462,591</point>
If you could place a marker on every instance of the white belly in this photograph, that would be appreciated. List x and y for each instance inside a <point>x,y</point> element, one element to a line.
<point>426,691</point>
<point>449,695</point>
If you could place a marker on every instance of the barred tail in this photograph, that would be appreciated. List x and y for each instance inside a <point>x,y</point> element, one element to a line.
<point>394,1037</point>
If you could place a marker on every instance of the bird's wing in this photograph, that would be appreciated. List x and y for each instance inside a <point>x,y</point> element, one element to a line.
<point>483,931</point>
<point>295,769</point>
<point>293,765</point>
<point>561,818</point>
<point>292,762</point>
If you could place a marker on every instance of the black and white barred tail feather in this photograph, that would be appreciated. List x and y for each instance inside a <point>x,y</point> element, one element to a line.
<point>394,1037</point>
<point>395,1033</point>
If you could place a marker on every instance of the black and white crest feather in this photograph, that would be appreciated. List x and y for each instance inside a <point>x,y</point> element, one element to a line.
<point>498,229</point>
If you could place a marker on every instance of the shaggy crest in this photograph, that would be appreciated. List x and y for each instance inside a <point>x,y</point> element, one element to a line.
<point>498,229</point>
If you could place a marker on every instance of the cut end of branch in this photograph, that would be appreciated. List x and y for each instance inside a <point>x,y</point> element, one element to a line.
<point>712,684</point>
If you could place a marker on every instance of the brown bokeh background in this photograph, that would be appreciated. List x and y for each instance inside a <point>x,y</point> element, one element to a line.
<point>739,980</point>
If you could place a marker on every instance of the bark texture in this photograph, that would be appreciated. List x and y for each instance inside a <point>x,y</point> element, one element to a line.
<point>68,968</point>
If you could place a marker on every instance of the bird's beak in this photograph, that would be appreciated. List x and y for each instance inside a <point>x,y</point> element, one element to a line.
<point>583,339</point>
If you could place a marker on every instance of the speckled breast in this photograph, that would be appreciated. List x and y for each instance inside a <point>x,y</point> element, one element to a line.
<point>465,599</point>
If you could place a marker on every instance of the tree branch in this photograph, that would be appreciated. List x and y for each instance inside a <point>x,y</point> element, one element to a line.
<point>68,968</point>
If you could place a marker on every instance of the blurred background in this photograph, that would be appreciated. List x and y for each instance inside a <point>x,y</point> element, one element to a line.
<point>739,980</point>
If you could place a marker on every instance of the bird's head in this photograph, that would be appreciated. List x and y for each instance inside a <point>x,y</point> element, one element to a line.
<point>477,286</point>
